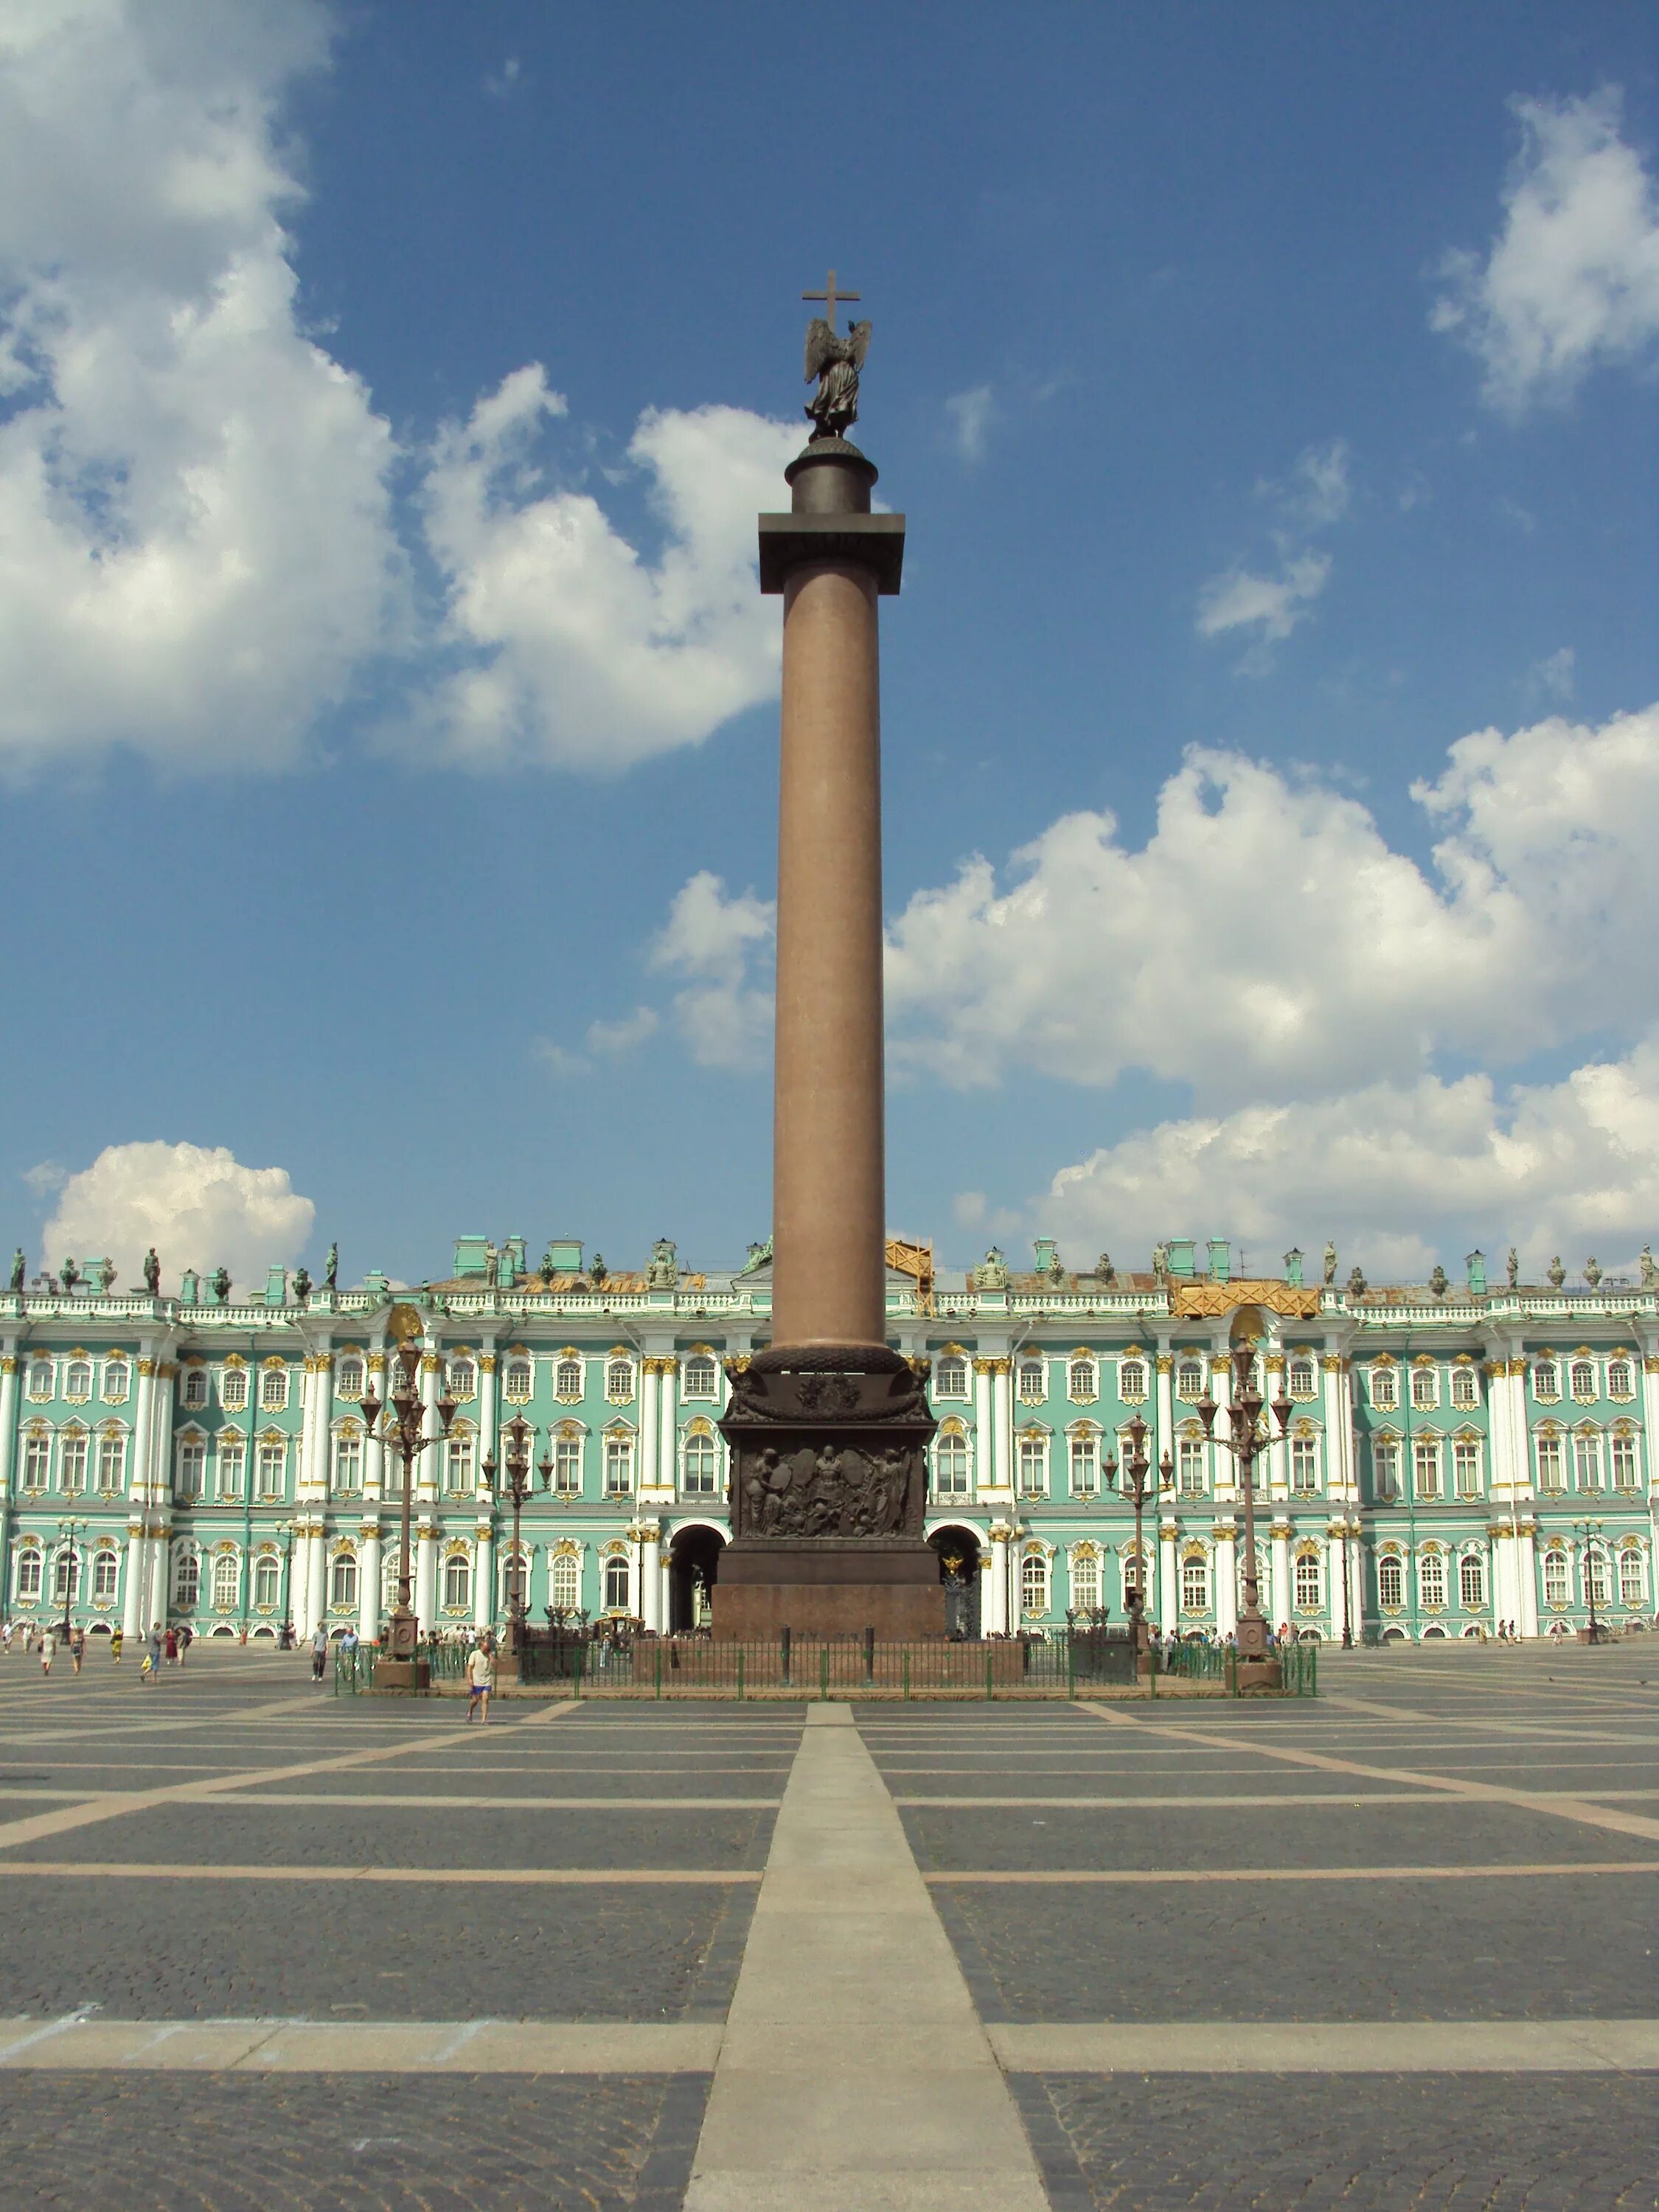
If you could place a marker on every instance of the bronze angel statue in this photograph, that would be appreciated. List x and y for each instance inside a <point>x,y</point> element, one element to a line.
<point>835,361</point>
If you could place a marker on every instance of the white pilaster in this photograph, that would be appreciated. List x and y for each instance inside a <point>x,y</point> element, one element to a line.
<point>483,1574</point>
<point>984,1447</point>
<point>1336,1589</point>
<point>1169,1579</point>
<point>997,1594</point>
<point>650,1542</point>
<point>1281,1573</point>
<point>668,1469</point>
<point>368,1582</point>
<point>8,1415</point>
<point>650,1393</point>
<point>1002,1425</point>
<point>1226,1581</point>
<point>426,1578</point>
<point>316,1575</point>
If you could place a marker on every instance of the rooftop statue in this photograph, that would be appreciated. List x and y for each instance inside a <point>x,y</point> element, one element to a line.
<point>1512,1266</point>
<point>151,1272</point>
<point>1650,1268</point>
<point>991,1273</point>
<point>331,1269</point>
<point>19,1267</point>
<point>834,362</point>
<point>1330,1262</point>
<point>663,1271</point>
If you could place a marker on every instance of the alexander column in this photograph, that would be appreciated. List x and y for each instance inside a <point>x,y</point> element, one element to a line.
<point>828,1426</point>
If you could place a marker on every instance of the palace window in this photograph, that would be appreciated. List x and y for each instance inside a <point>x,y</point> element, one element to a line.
<point>1194,1585</point>
<point>1466,1467</point>
<point>267,1582</point>
<point>1551,1475</point>
<point>618,1465</point>
<point>348,1463</point>
<point>1426,1388</point>
<point>1557,1589</point>
<point>517,1381</point>
<point>1033,1467</point>
<point>233,1390</point>
<point>950,1467</point>
<point>1302,1382</point>
<point>392,1480</point>
<point>273,1467</point>
<point>1385,1388</point>
<point>343,1580</point>
<point>1619,1378</point>
<point>1085,1467</point>
<point>700,1465</point>
<point>186,1580</point>
<point>37,1460</point>
<point>567,1379</point>
<point>116,1381</point>
<point>1033,1586</point>
<point>1471,1581</point>
<point>1304,1464</point>
<point>192,1466</point>
<point>1390,1584</point>
<point>1131,1381</point>
<point>1623,1451</point>
<point>64,1575</point>
<point>1307,1582</point>
<point>1587,1460</point>
<point>1085,1584</point>
<point>458,1582</point>
<point>1583,1379</point>
<point>617,1581</point>
<point>1630,1591</point>
<point>225,1581</point>
<point>196,1386</point>
<point>458,1463</point>
<point>28,1576</point>
<point>1385,1468</point>
<point>72,1465</point>
<point>351,1383</point>
<point>1546,1380</point>
<point>232,1461</point>
<point>618,1380</point>
<point>1081,1385</point>
<point>1425,1460</point>
<point>567,1582</point>
<point>273,1390</point>
<point>1595,1577</point>
<point>1033,1381</point>
<point>1464,1393</point>
<point>1190,1462</point>
<point>462,1377</point>
<point>568,1464</point>
<point>40,1378</point>
<point>77,1380</point>
<point>1432,1579</point>
<point>1190,1379</point>
<point>951,1377</point>
<point>106,1577</point>
<point>699,1377</point>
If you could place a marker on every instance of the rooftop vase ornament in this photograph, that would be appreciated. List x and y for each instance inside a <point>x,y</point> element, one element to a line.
<point>1104,1271</point>
<point>1438,1280</point>
<point>1555,1272</point>
<point>105,1277</point>
<point>222,1284</point>
<point>302,1285</point>
<point>72,1277</point>
<point>1355,1285</point>
<point>1247,1440</point>
<point>597,1271</point>
<point>1593,1271</point>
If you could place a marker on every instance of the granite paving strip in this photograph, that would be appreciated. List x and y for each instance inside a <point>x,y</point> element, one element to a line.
<point>1371,2046</point>
<point>854,2075</point>
<point>1130,1876</point>
<point>322,2046</point>
<point>70,1869</point>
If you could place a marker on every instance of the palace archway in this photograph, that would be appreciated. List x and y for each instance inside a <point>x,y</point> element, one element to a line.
<point>693,1566</point>
<point>958,1552</point>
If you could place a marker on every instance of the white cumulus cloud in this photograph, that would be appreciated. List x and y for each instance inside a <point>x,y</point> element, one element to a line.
<point>722,947</point>
<point>198,1205</point>
<point>1270,606</point>
<point>1571,279</point>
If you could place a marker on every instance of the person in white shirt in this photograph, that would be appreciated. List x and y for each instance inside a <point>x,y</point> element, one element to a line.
<point>480,1680</point>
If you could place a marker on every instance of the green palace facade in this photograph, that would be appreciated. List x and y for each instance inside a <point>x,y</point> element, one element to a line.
<point>1459,1454</point>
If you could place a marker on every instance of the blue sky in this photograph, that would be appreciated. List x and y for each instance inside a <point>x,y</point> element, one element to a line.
<point>388,725</point>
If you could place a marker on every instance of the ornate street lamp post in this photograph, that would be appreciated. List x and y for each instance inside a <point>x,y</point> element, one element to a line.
<point>67,1533</point>
<point>517,1436</point>
<point>1591,1532</point>
<point>404,1418</point>
<point>1246,1443</point>
<point>1137,1490</point>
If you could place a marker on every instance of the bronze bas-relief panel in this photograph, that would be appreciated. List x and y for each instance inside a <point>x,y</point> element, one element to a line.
<point>827,1452</point>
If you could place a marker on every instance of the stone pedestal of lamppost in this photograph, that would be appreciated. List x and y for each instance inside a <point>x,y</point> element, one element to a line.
<point>400,1667</point>
<point>828,1428</point>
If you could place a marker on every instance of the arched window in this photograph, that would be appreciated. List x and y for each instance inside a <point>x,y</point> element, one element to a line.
<point>225,1580</point>
<point>273,1390</point>
<point>186,1581</point>
<point>1303,1381</point>
<point>116,1381</point>
<point>267,1582</point>
<point>196,1386</point>
<point>618,1380</point>
<point>351,1384</point>
<point>72,1461</point>
<point>343,1580</point>
<point>1304,1464</point>
<point>568,1377</point>
<point>1385,1388</point>
<point>28,1575</point>
<point>40,1378</point>
<point>1557,1587</point>
<point>1033,1586</point>
<point>1426,1388</point>
<point>1131,1381</point>
<point>233,1390</point>
<point>1190,1465</point>
<point>1432,1578</point>
<point>700,1464</point>
<point>77,1379</point>
<point>1582,1379</point>
<point>1471,1581</point>
<point>1194,1585</point>
<point>616,1580</point>
<point>567,1582</point>
<point>1033,1463</point>
<point>517,1381</point>
<point>458,1582</point>
<point>699,1377</point>
<point>618,1465</point>
<point>1085,1582</point>
<point>192,1466</point>
<point>1190,1379</point>
<point>950,1466</point>
<point>1631,1590</point>
<point>1082,1380</point>
<point>111,1460</point>
<point>1596,1576</point>
<point>1390,1584</point>
<point>37,1459</point>
<point>232,1455</point>
<point>1622,1452</point>
<point>1546,1380</point>
<point>951,1377</point>
<point>65,1573</point>
<point>1619,1378</point>
<point>348,1461</point>
<point>106,1577</point>
<point>1464,1393</point>
<point>1307,1582</point>
<point>1033,1380</point>
<point>1086,1465</point>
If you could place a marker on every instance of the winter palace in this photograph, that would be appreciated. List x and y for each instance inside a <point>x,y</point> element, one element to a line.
<point>1460,1454</point>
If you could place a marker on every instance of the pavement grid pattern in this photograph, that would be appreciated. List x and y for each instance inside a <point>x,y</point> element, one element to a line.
<point>1395,1946</point>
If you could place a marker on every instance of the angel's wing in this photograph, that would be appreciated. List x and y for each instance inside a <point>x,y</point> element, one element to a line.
<point>858,338</point>
<point>820,348</point>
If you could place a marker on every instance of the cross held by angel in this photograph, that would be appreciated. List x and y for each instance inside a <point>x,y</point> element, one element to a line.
<point>834,360</point>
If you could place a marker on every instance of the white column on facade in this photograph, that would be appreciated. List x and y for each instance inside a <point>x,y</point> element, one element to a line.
<point>1336,1425</point>
<point>1163,1405</point>
<point>158,1557</point>
<point>984,1447</point>
<point>650,1431</point>
<point>1226,1578</point>
<point>483,1574</point>
<point>1336,1589</point>
<point>428,1475</point>
<point>374,1450</point>
<point>1169,1578</point>
<point>1281,1571</point>
<point>997,1594</point>
<point>132,1598</point>
<point>1278,1449</point>
<point>487,1366</point>
<point>650,1542</point>
<point>1526,1569</point>
<point>1356,1576</point>
<point>8,1415</point>
<point>1002,1423</point>
<point>668,1469</point>
<point>369,1582</point>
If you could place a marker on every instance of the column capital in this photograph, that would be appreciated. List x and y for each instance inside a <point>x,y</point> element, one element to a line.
<point>1165,1362</point>
<point>486,1362</point>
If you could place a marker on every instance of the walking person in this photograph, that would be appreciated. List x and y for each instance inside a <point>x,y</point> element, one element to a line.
<point>187,1637</point>
<point>319,1652</point>
<point>117,1638</point>
<point>77,1645</point>
<point>170,1645</point>
<point>480,1680</point>
<point>48,1650</point>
